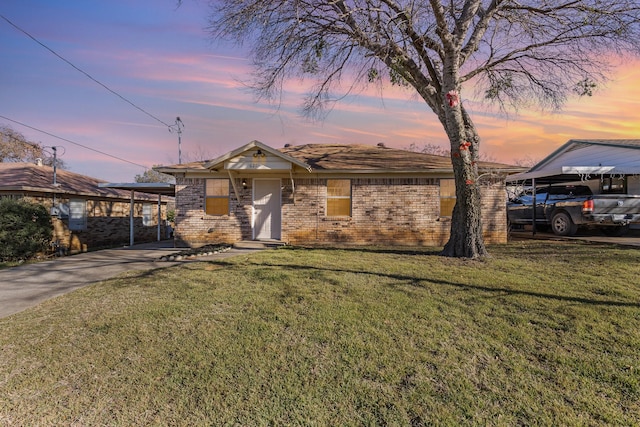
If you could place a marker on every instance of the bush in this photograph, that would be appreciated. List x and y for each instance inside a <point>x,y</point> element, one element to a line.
<point>25,229</point>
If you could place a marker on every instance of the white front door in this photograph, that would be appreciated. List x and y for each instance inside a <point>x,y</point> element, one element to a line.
<point>266,209</point>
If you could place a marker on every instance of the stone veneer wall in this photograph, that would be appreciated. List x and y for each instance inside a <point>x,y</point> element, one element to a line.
<point>107,223</point>
<point>390,211</point>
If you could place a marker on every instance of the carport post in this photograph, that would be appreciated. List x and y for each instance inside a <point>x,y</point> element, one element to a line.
<point>131,220</point>
<point>535,207</point>
<point>159,213</point>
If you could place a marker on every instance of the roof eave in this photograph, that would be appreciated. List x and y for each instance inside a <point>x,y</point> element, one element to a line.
<point>509,170</point>
<point>58,191</point>
<point>170,171</point>
<point>608,143</point>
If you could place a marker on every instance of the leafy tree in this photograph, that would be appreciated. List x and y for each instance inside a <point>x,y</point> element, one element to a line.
<point>151,175</point>
<point>514,52</point>
<point>25,229</point>
<point>15,148</point>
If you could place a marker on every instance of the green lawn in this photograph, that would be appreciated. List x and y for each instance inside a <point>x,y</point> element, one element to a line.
<point>541,333</point>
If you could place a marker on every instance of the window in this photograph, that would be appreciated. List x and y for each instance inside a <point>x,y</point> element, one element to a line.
<point>77,214</point>
<point>147,214</point>
<point>611,185</point>
<point>447,196</point>
<point>338,197</point>
<point>217,197</point>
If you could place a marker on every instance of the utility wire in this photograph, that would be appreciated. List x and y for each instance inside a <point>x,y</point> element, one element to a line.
<point>74,143</point>
<point>85,73</point>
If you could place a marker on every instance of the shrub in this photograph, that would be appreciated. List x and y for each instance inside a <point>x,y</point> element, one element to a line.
<point>25,229</point>
<point>171,215</point>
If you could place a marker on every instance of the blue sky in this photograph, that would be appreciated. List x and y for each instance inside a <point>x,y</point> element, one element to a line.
<point>159,57</point>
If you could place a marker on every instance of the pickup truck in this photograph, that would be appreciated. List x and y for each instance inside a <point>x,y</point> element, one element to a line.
<point>564,208</point>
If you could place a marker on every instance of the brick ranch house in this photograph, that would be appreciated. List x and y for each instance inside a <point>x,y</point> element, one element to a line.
<point>85,215</point>
<point>329,193</point>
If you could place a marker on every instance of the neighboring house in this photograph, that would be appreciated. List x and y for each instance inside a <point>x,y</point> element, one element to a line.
<point>85,216</point>
<point>606,165</point>
<point>332,193</point>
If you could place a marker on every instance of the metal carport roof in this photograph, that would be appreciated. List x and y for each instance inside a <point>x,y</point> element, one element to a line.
<point>159,188</point>
<point>581,159</point>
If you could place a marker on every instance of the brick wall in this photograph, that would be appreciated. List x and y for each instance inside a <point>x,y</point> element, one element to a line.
<point>195,228</point>
<point>390,211</point>
<point>107,223</point>
<point>494,211</point>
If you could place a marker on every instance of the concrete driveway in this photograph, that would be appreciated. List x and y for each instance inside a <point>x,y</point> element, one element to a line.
<point>630,239</point>
<point>27,285</point>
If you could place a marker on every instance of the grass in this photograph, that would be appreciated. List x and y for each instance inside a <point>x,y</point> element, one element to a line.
<point>539,334</point>
<point>6,264</point>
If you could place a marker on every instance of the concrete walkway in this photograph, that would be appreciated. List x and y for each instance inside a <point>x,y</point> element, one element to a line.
<point>30,284</point>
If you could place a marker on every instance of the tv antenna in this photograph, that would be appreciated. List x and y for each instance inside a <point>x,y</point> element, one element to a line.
<point>55,161</point>
<point>178,126</point>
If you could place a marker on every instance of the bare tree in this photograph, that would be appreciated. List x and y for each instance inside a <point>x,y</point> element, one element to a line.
<point>151,175</point>
<point>15,148</point>
<point>428,148</point>
<point>513,51</point>
<point>526,161</point>
<point>198,154</point>
<point>439,150</point>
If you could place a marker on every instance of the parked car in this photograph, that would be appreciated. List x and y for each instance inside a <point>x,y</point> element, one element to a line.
<point>564,208</point>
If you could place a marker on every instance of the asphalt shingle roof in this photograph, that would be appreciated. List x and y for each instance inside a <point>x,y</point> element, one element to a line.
<point>371,157</point>
<point>359,157</point>
<point>29,177</point>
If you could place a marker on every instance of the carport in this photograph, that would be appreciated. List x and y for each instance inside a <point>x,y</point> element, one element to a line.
<point>159,188</point>
<point>581,160</point>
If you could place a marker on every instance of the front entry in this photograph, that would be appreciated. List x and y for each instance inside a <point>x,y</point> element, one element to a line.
<point>266,209</point>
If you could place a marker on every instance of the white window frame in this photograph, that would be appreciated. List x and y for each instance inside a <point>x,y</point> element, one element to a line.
<point>147,214</point>
<point>77,214</point>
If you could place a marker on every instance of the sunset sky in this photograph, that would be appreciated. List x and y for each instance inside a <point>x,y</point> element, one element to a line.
<point>159,57</point>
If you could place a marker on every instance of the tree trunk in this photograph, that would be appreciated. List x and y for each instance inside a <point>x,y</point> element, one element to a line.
<point>466,239</point>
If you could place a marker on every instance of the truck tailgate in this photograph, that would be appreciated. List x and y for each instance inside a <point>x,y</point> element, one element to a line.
<point>613,204</point>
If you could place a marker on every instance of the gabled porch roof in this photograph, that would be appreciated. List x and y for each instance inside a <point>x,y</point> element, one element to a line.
<point>258,149</point>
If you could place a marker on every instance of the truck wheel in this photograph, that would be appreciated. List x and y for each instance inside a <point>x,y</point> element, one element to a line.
<point>562,225</point>
<point>615,231</point>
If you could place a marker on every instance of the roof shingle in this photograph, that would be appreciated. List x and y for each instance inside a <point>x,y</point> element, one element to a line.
<point>371,157</point>
<point>34,178</point>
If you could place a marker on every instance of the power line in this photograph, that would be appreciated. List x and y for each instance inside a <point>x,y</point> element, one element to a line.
<point>74,143</point>
<point>83,72</point>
